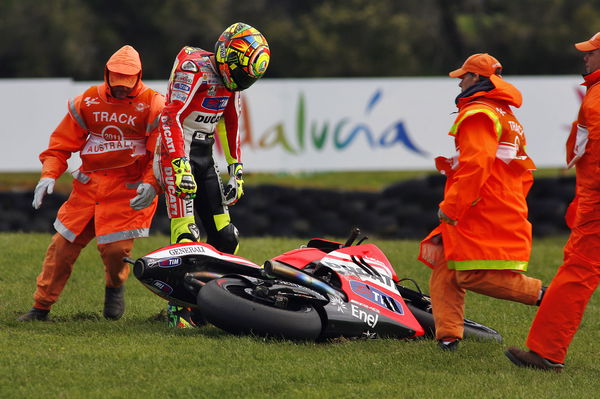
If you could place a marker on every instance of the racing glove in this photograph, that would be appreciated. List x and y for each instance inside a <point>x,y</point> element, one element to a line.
<point>234,189</point>
<point>44,186</point>
<point>185,186</point>
<point>146,194</point>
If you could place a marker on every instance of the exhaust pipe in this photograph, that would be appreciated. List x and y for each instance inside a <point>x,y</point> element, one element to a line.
<point>278,269</point>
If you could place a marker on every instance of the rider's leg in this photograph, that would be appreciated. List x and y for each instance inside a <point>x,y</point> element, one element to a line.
<point>215,218</point>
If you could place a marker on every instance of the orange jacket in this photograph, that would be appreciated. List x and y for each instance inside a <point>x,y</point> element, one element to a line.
<point>583,151</point>
<point>116,140</point>
<point>487,184</point>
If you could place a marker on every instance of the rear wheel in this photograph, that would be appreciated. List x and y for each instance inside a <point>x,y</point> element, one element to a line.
<point>232,305</point>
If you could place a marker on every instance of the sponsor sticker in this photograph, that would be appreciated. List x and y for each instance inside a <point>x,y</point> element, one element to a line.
<point>208,118</point>
<point>171,262</point>
<point>366,317</point>
<point>184,77</point>
<point>376,296</point>
<point>179,96</point>
<point>192,249</point>
<point>182,87</point>
<point>215,103</point>
<point>352,269</point>
<point>162,286</point>
<point>89,101</point>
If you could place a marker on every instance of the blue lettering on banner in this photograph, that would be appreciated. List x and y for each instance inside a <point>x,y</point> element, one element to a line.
<point>171,262</point>
<point>376,296</point>
<point>341,134</point>
<point>215,103</point>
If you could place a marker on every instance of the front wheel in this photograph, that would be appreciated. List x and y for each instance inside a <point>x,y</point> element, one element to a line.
<point>420,306</point>
<point>230,304</point>
<point>472,329</point>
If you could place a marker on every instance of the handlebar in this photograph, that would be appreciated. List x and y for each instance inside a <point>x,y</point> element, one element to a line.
<point>353,234</point>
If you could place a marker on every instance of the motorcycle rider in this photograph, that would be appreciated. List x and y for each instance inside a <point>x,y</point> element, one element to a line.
<point>113,126</point>
<point>204,89</point>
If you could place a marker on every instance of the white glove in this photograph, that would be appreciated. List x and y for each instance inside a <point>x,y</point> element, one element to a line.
<point>44,186</point>
<point>234,189</point>
<point>146,194</point>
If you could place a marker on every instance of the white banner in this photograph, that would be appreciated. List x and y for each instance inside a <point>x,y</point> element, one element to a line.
<point>294,125</point>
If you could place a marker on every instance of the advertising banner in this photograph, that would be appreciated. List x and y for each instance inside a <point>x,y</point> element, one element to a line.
<point>309,125</point>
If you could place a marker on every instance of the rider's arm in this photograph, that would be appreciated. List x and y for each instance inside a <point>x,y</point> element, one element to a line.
<point>230,135</point>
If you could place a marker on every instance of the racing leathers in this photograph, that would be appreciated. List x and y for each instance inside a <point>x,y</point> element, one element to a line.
<point>197,101</point>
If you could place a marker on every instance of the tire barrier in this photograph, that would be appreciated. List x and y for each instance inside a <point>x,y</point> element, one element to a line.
<point>404,210</point>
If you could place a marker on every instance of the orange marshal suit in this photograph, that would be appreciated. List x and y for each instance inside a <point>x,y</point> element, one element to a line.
<point>116,141</point>
<point>577,278</point>
<point>486,188</point>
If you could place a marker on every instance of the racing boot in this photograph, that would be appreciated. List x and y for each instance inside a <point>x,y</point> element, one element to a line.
<point>184,229</point>
<point>35,314</point>
<point>114,303</point>
<point>182,317</point>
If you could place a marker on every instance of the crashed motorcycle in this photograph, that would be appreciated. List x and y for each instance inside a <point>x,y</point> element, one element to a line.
<point>324,289</point>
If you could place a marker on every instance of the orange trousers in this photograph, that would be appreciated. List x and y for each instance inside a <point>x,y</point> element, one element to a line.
<point>448,288</point>
<point>61,256</point>
<point>567,296</point>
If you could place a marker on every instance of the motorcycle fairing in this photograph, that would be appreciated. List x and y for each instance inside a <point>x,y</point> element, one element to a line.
<point>197,248</point>
<point>371,290</point>
<point>167,271</point>
<point>301,257</point>
<point>369,280</point>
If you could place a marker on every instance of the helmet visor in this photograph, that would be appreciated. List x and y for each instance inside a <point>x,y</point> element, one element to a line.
<point>241,79</point>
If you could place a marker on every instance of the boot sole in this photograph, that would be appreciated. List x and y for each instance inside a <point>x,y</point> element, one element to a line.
<point>513,359</point>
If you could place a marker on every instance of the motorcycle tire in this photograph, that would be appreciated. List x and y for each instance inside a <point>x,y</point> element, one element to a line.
<point>227,304</point>
<point>472,329</point>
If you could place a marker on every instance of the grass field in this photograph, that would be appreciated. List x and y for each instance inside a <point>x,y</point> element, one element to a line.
<point>81,355</point>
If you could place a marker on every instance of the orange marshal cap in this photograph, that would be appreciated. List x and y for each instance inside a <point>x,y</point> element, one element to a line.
<point>590,45</point>
<point>482,64</point>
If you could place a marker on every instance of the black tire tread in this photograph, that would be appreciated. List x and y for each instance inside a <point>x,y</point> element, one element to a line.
<point>240,315</point>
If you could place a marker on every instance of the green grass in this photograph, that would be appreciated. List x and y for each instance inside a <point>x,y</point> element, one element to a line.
<point>81,355</point>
